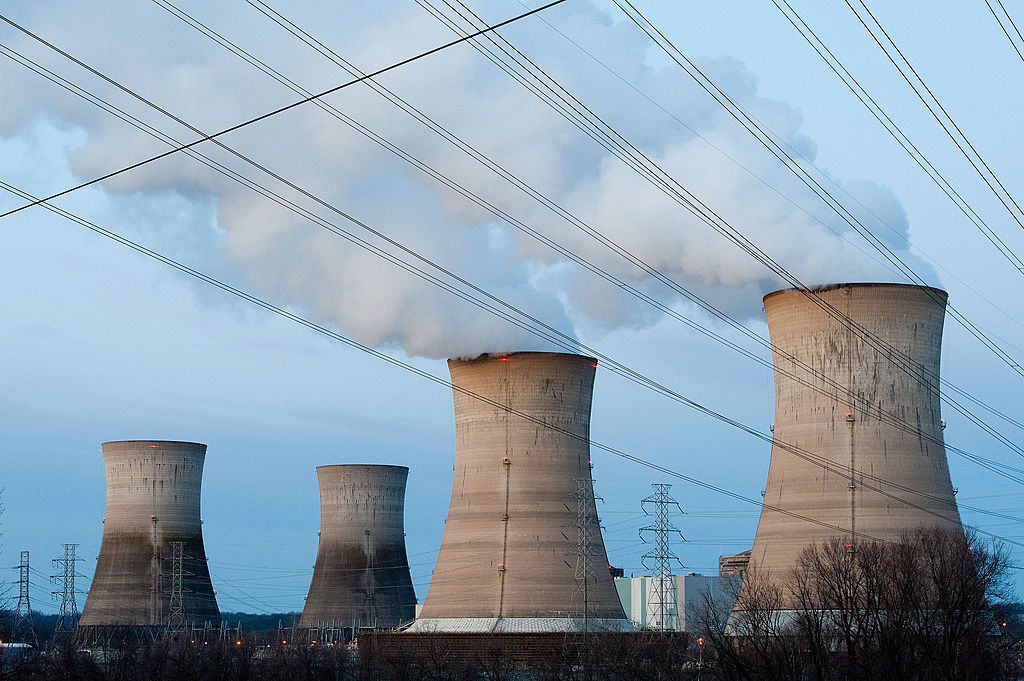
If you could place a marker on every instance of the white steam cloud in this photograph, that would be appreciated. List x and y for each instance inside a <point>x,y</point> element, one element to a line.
<point>293,261</point>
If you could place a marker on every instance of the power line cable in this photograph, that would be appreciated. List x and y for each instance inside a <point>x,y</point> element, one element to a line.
<point>935,107</point>
<point>368,77</point>
<point>993,466</point>
<point>617,367</point>
<point>606,135</point>
<point>336,58</point>
<point>279,110</point>
<point>443,382</point>
<point>869,476</point>
<point>895,131</point>
<point>318,328</point>
<point>778,148</point>
<point>1007,32</point>
<point>803,453</point>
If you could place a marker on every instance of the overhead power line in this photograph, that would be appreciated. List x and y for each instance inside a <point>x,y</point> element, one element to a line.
<point>560,338</point>
<point>406,366</point>
<point>917,84</point>
<point>895,131</point>
<point>565,341</point>
<point>479,32</point>
<point>287,107</point>
<point>318,328</point>
<point>323,49</point>
<point>1009,28</point>
<point>779,149</point>
<point>567,105</point>
<point>791,448</point>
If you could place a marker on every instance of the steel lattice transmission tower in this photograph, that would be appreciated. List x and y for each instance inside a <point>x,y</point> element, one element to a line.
<point>24,628</point>
<point>584,502</point>
<point>176,607</point>
<point>660,560</point>
<point>65,577</point>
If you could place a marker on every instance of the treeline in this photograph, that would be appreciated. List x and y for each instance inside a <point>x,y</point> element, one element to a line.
<point>931,607</point>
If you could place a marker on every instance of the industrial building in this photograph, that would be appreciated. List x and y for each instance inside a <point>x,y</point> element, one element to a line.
<point>522,550</point>
<point>734,566</point>
<point>857,420</point>
<point>152,571</point>
<point>361,577</point>
<point>690,595</point>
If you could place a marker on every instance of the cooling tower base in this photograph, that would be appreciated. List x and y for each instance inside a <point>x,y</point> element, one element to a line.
<point>518,625</point>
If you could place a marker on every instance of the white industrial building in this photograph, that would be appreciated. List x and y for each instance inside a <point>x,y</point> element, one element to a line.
<point>687,596</point>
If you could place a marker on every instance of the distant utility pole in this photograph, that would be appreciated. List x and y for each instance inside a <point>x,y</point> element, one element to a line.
<point>23,625</point>
<point>660,559</point>
<point>65,577</point>
<point>176,606</point>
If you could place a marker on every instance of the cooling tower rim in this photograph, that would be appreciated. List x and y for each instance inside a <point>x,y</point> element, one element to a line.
<point>180,443</point>
<point>354,466</point>
<point>858,284</point>
<point>483,357</point>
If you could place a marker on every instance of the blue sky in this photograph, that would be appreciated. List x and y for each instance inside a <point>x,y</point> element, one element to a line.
<point>98,343</point>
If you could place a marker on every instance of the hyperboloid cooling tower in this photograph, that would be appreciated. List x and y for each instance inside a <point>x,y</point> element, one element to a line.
<point>511,550</point>
<point>882,355</point>
<point>361,577</point>
<point>152,569</point>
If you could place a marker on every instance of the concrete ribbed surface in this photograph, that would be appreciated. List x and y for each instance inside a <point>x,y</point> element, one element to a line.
<point>153,498</point>
<point>361,577</point>
<point>854,442</point>
<point>508,547</point>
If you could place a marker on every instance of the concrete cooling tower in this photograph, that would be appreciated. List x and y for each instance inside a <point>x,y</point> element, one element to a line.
<point>361,577</point>
<point>510,553</point>
<point>152,540</point>
<point>892,433</point>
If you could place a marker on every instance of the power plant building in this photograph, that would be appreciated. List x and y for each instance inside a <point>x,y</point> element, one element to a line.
<point>858,449</point>
<point>522,550</point>
<point>152,570</point>
<point>361,577</point>
<point>689,598</point>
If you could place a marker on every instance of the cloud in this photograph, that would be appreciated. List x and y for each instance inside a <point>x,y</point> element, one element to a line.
<point>296,262</point>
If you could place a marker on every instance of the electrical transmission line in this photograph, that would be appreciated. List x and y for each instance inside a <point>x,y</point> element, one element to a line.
<point>818,460</point>
<point>581,116</point>
<point>783,152</point>
<point>938,111</point>
<point>1008,32</point>
<point>323,330</point>
<point>447,384</point>
<point>662,601</point>
<point>277,111</point>
<point>669,311</point>
<point>895,130</point>
<point>911,491</point>
<point>220,168</point>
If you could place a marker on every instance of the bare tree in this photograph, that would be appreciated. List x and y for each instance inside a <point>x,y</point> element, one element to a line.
<point>924,608</point>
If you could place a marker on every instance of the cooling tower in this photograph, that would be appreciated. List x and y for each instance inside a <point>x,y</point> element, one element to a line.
<point>361,577</point>
<point>892,434</point>
<point>511,551</point>
<point>152,518</point>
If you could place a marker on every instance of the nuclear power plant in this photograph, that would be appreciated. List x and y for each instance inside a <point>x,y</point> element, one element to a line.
<point>522,550</point>
<point>875,347</point>
<point>152,570</point>
<point>361,577</point>
<point>857,453</point>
